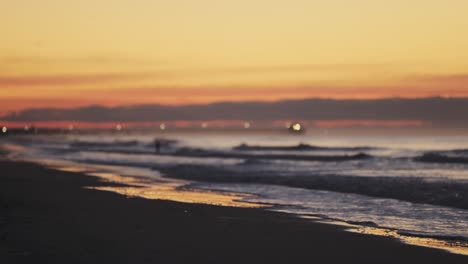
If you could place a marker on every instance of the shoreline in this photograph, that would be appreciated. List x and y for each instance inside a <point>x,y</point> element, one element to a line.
<point>48,216</point>
<point>171,189</point>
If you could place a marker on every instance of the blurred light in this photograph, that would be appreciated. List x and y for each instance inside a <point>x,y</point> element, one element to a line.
<point>4,129</point>
<point>287,125</point>
<point>162,126</point>
<point>71,127</point>
<point>204,125</point>
<point>296,127</point>
<point>26,128</point>
<point>246,125</point>
<point>118,127</point>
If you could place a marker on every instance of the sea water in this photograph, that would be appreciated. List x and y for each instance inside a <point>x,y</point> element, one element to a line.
<point>413,184</point>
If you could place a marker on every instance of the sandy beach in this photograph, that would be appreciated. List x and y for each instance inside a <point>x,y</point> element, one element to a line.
<point>233,132</point>
<point>46,216</point>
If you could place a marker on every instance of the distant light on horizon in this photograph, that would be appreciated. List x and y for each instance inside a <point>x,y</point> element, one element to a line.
<point>297,127</point>
<point>71,127</point>
<point>118,127</point>
<point>247,125</point>
<point>162,126</point>
<point>204,125</point>
<point>4,129</point>
<point>26,128</point>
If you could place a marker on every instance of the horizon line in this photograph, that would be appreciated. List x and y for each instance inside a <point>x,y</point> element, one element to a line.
<point>236,102</point>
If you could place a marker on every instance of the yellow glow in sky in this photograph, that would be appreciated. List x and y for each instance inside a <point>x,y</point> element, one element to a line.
<point>180,51</point>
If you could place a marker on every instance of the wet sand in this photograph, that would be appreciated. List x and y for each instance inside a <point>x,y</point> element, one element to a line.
<point>47,216</point>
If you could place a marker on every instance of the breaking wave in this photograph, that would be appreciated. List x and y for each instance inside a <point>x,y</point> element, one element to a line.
<point>417,190</point>
<point>440,158</point>
<point>299,147</point>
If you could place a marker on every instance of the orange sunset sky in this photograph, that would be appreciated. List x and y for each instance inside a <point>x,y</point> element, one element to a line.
<point>64,53</point>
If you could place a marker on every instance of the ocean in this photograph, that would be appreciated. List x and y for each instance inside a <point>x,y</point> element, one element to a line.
<point>412,185</point>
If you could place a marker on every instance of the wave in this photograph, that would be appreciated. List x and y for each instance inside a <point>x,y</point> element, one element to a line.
<point>440,158</point>
<point>460,151</point>
<point>460,239</point>
<point>204,153</point>
<point>444,193</point>
<point>95,144</point>
<point>253,161</point>
<point>454,152</point>
<point>195,152</point>
<point>299,147</point>
<point>122,143</point>
<point>362,223</point>
<point>163,143</point>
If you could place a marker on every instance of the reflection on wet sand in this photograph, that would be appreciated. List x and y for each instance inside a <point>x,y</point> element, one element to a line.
<point>170,190</point>
<point>455,246</point>
<point>458,247</point>
<point>157,188</point>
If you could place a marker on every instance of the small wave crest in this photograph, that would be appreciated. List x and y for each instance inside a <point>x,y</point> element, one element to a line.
<point>96,144</point>
<point>122,143</point>
<point>434,157</point>
<point>197,152</point>
<point>299,147</point>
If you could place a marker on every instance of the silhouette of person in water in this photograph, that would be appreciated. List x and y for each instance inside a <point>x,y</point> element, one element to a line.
<point>157,146</point>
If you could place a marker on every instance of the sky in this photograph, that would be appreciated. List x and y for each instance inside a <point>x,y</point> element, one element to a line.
<point>64,53</point>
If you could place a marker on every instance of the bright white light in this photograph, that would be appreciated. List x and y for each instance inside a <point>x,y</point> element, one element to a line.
<point>4,129</point>
<point>296,127</point>
<point>162,126</point>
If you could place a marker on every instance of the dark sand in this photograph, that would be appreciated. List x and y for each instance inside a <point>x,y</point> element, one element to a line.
<point>46,216</point>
